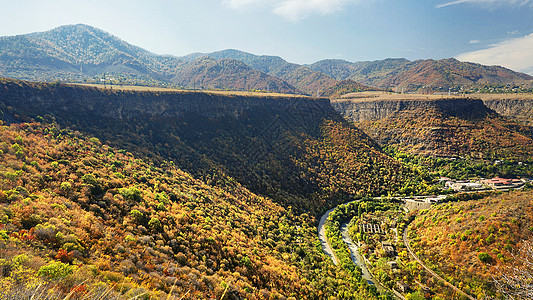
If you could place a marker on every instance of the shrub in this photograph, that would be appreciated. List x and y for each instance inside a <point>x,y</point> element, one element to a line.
<point>95,141</point>
<point>63,256</point>
<point>18,150</point>
<point>484,257</point>
<point>136,215</point>
<point>20,259</point>
<point>155,224</point>
<point>65,186</point>
<point>45,232</point>
<point>89,179</point>
<point>112,276</point>
<point>490,239</point>
<point>132,193</point>
<point>56,270</point>
<point>130,238</point>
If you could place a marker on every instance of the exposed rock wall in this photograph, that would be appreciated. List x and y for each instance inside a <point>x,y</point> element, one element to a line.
<point>449,127</point>
<point>115,104</point>
<point>519,109</point>
<point>357,111</point>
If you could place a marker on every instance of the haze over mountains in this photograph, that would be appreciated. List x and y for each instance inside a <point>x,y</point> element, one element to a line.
<point>81,53</point>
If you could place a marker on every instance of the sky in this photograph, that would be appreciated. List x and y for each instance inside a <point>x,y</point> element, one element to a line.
<point>491,32</point>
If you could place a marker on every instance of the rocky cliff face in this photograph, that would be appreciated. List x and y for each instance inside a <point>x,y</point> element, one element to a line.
<point>442,127</point>
<point>68,100</point>
<point>363,110</point>
<point>281,147</point>
<point>516,108</point>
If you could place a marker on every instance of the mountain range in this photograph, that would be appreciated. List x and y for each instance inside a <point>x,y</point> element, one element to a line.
<point>81,53</point>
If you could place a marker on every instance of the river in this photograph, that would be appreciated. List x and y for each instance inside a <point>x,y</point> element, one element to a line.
<point>358,259</point>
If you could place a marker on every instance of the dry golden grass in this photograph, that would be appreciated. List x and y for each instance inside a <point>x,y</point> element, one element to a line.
<point>371,96</point>
<point>517,96</point>
<point>162,89</point>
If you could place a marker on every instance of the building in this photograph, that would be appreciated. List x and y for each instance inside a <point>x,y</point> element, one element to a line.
<point>388,248</point>
<point>502,183</point>
<point>436,199</point>
<point>466,186</point>
<point>402,286</point>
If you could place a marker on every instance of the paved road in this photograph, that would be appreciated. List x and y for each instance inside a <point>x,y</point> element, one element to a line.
<point>323,240</point>
<point>356,257</point>
<point>406,242</point>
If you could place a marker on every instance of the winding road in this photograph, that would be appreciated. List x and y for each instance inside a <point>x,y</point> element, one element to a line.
<point>354,253</point>
<point>358,260</point>
<point>406,242</point>
<point>326,247</point>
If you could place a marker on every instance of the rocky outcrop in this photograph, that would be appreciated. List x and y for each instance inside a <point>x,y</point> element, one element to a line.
<point>81,102</point>
<point>517,108</point>
<point>444,127</point>
<point>363,110</point>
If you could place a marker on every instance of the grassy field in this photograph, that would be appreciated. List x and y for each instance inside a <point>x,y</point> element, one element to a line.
<point>162,89</point>
<point>519,96</point>
<point>389,96</point>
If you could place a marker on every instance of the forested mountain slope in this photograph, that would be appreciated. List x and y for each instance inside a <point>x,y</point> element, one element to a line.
<point>299,151</point>
<point>421,75</point>
<point>81,53</point>
<point>302,77</point>
<point>77,52</point>
<point>472,242</point>
<point>227,74</point>
<point>84,220</point>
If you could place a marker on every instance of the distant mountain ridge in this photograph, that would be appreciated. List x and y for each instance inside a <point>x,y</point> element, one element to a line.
<point>302,77</point>
<point>81,53</point>
<point>206,72</point>
<point>79,50</point>
<point>418,75</point>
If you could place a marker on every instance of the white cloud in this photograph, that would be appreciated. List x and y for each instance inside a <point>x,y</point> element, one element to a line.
<point>491,3</point>
<point>293,10</point>
<point>515,54</point>
<point>241,4</point>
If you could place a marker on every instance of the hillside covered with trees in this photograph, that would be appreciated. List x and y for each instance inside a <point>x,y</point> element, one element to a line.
<point>78,216</point>
<point>443,127</point>
<point>154,194</point>
<point>423,75</point>
<point>471,243</point>
<point>298,151</point>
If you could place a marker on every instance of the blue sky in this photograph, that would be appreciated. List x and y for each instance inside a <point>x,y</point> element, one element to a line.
<point>301,31</point>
